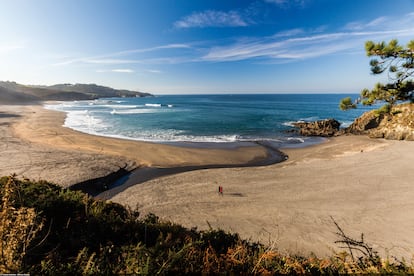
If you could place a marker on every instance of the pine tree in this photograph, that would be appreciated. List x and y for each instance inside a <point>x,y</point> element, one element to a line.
<point>398,63</point>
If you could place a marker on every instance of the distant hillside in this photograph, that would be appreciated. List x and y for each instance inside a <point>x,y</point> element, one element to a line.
<point>14,93</point>
<point>8,96</point>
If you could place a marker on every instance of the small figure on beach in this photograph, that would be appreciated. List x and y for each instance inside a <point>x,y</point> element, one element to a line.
<point>220,190</point>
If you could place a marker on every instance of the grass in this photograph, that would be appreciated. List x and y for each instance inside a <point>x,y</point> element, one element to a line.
<point>64,232</point>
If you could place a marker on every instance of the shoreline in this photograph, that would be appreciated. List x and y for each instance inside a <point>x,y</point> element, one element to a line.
<point>44,128</point>
<point>287,138</point>
<point>365,184</point>
<point>35,130</point>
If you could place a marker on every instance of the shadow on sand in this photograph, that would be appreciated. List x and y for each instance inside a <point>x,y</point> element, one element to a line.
<point>108,186</point>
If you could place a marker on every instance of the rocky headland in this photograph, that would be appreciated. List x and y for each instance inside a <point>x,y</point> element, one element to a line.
<point>398,124</point>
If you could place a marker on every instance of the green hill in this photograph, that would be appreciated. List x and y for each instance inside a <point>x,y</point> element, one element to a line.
<point>14,93</point>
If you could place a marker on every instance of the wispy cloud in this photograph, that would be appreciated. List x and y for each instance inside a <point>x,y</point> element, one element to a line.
<point>6,47</point>
<point>359,25</point>
<point>101,61</point>
<point>284,46</point>
<point>152,49</point>
<point>123,71</point>
<point>113,58</point>
<point>288,3</point>
<point>297,44</point>
<point>153,71</point>
<point>273,48</point>
<point>212,18</point>
<point>289,33</point>
<point>128,71</point>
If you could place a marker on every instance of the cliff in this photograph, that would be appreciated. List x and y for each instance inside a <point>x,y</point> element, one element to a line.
<point>399,125</point>
<point>396,125</point>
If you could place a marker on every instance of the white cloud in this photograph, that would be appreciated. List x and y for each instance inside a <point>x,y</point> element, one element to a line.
<point>287,3</point>
<point>302,47</point>
<point>154,71</point>
<point>287,33</point>
<point>122,70</point>
<point>6,47</point>
<point>152,49</point>
<point>129,71</point>
<point>278,2</point>
<point>111,58</point>
<point>284,46</point>
<point>212,18</point>
<point>358,25</point>
<point>104,61</point>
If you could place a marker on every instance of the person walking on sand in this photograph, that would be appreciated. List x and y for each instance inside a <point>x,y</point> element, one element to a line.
<point>220,190</point>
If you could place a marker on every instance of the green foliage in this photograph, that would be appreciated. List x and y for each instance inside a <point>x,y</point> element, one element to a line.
<point>398,62</point>
<point>18,227</point>
<point>385,109</point>
<point>346,104</point>
<point>83,236</point>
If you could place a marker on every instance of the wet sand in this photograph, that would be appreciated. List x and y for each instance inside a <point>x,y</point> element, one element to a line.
<point>365,184</point>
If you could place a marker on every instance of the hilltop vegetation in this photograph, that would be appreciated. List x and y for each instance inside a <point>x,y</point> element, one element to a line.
<point>48,230</point>
<point>14,93</point>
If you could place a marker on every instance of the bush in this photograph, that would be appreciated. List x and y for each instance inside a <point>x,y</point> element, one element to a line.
<point>385,109</point>
<point>83,236</point>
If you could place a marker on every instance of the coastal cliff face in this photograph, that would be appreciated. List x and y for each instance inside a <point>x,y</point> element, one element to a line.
<point>399,125</point>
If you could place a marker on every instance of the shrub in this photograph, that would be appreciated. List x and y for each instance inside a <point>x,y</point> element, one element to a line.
<point>83,236</point>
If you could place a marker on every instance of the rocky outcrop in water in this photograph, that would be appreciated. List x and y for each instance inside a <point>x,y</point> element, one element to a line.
<point>323,128</point>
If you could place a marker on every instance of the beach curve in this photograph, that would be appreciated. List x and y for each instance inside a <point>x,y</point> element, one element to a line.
<point>40,126</point>
<point>365,184</point>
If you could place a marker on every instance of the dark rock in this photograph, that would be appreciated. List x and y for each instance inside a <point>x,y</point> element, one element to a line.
<point>324,128</point>
<point>362,125</point>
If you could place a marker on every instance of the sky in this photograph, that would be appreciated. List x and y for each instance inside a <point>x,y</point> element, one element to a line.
<point>199,47</point>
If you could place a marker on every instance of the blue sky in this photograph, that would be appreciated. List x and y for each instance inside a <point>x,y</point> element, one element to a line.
<point>190,46</point>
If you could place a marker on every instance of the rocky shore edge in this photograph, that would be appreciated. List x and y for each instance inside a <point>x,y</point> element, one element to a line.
<point>398,124</point>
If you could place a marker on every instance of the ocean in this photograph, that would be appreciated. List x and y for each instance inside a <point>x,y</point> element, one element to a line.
<point>212,120</point>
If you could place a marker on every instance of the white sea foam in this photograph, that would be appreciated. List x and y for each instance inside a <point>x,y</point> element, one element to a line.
<point>290,123</point>
<point>169,135</point>
<point>133,111</point>
<point>309,119</point>
<point>346,124</point>
<point>296,140</point>
<point>119,106</point>
<point>152,105</point>
<point>83,121</point>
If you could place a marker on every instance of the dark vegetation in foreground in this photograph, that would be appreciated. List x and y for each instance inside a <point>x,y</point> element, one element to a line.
<point>48,230</point>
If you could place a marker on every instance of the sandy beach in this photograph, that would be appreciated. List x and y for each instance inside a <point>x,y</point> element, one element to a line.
<point>364,184</point>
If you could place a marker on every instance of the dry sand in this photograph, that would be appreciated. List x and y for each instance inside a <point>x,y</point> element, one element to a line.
<point>365,184</point>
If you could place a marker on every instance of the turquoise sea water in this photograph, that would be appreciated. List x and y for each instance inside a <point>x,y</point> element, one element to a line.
<point>205,118</point>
